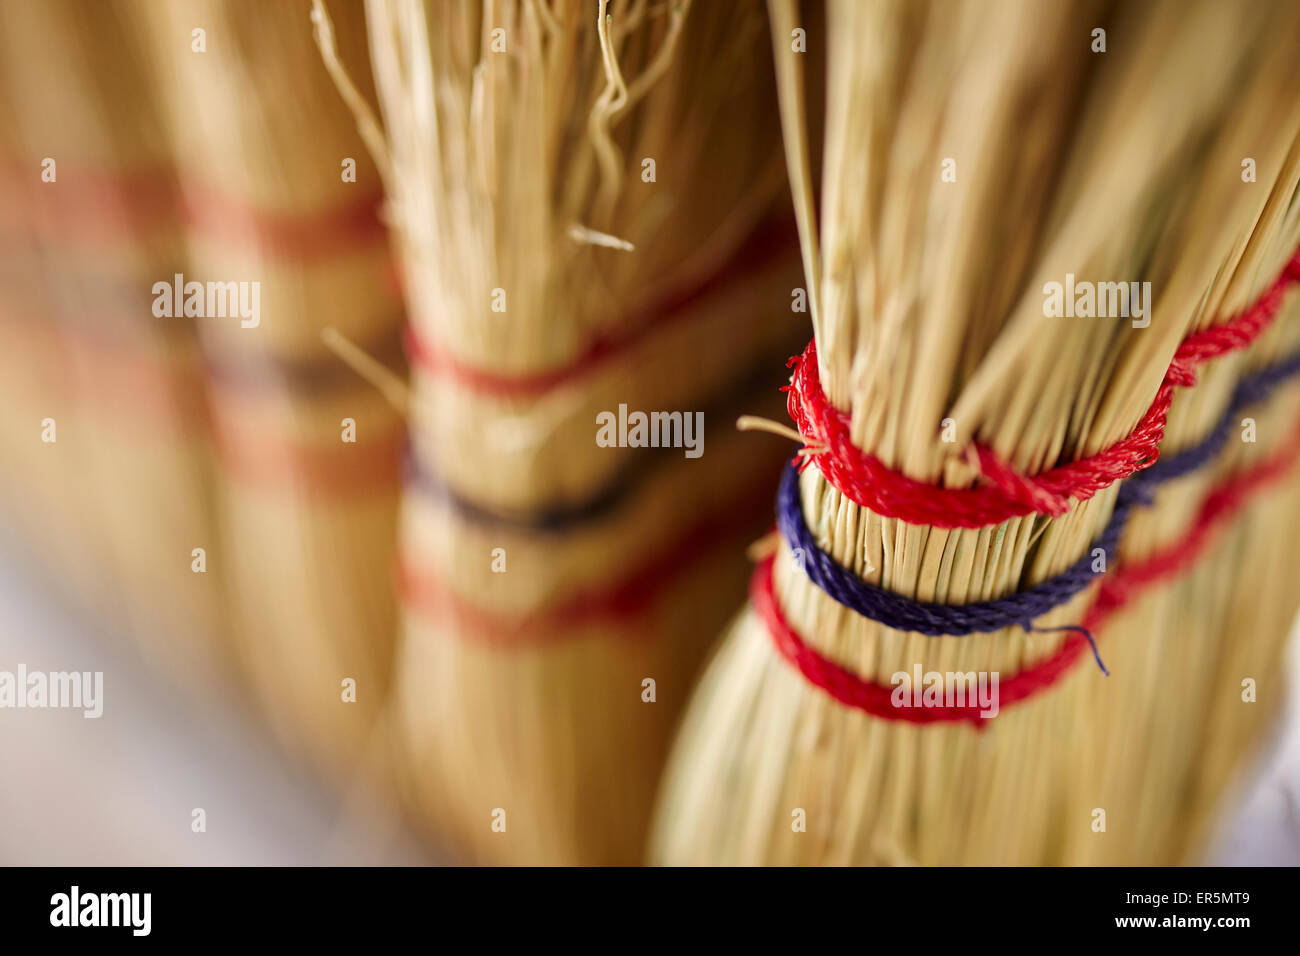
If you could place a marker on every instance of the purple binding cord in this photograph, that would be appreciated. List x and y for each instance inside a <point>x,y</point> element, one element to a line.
<point>1022,608</point>
<point>925,617</point>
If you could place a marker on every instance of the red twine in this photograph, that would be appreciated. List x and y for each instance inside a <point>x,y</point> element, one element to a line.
<point>620,602</point>
<point>870,483</point>
<point>100,205</point>
<point>762,248</point>
<point>334,470</point>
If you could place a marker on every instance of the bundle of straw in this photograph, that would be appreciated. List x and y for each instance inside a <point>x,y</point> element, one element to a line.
<point>584,196</point>
<point>122,493</point>
<point>929,323</point>
<point>278,191</point>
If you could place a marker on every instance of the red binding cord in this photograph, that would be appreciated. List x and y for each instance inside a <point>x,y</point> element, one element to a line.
<point>270,459</point>
<point>762,248</point>
<point>100,205</point>
<point>620,602</point>
<point>868,482</point>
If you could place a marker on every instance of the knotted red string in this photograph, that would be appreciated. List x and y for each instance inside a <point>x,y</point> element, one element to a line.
<point>870,483</point>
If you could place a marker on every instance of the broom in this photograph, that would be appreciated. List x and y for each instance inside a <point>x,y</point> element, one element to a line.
<point>124,487</point>
<point>584,199</point>
<point>929,325</point>
<point>278,191</point>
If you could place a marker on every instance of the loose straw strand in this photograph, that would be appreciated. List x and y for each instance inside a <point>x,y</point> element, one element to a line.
<point>367,123</point>
<point>756,423</point>
<point>387,382</point>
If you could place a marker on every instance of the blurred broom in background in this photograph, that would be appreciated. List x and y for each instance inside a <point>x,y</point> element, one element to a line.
<point>1060,157</point>
<point>118,485</point>
<point>279,191</point>
<point>586,198</point>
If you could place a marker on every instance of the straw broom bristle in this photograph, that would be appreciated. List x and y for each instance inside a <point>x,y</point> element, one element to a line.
<point>501,157</point>
<point>1125,164</point>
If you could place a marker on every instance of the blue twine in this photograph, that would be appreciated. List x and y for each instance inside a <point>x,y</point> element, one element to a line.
<point>620,487</point>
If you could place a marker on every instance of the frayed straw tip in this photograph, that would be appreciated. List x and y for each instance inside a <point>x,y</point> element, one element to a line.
<point>755,423</point>
<point>330,336</point>
<point>764,547</point>
<point>592,237</point>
